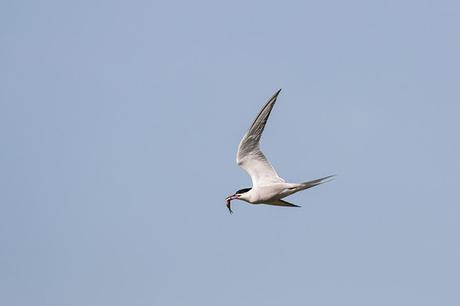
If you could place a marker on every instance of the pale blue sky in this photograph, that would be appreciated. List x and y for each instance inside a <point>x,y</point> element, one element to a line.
<point>119,122</point>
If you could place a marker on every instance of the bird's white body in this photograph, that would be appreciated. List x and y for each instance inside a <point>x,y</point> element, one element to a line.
<point>267,186</point>
<point>268,193</point>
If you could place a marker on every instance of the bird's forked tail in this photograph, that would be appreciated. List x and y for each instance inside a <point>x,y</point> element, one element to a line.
<point>316,182</point>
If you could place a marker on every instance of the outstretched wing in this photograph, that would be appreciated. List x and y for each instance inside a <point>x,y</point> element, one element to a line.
<point>282,203</point>
<point>250,157</point>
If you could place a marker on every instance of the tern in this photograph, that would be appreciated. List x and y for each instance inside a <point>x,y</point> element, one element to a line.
<point>267,186</point>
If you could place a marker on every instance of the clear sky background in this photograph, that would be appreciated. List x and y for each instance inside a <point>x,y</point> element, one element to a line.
<point>119,123</point>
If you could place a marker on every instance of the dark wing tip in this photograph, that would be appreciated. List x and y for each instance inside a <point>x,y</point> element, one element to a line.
<point>275,95</point>
<point>269,105</point>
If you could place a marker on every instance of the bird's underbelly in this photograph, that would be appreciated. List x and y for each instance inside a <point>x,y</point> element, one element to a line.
<point>264,194</point>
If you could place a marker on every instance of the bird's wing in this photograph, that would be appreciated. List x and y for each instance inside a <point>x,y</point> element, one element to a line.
<point>250,157</point>
<point>282,203</point>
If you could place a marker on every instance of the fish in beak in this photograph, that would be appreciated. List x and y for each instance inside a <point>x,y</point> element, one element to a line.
<point>229,207</point>
<point>229,201</point>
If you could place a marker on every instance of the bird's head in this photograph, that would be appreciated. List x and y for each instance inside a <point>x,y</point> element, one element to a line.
<point>239,195</point>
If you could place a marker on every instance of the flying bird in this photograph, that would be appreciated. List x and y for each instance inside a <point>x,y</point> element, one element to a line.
<point>267,186</point>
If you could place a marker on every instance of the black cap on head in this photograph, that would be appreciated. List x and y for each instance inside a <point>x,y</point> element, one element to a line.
<point>243,190</point>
